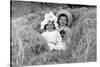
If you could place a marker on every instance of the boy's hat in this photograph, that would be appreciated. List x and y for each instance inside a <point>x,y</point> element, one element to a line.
<point>49,17</point>
<point>67,13</point>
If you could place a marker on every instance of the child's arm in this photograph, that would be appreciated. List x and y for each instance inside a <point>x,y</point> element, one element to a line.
<point>59,39</point>
<point>68,32</point>
<point>44,36</point>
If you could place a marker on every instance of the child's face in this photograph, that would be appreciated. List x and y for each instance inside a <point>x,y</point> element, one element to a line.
<point>50,26</point>
<point>62,20</point>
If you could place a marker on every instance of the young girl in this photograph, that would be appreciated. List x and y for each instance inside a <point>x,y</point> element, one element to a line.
<point>50,34</point>
<point>64,24</point>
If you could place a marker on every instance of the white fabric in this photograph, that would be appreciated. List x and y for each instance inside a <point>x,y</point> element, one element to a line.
<point>50,16</point>
<point>54,40</point>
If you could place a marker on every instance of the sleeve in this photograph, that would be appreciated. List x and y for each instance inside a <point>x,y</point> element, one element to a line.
<point>58,39</point>
<point>44,36</point>
<point>68,35</point>
<point>68,32</point>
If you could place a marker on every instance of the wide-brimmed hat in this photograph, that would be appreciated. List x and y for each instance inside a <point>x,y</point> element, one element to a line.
<point>49,17</point>
<point>67,13</point>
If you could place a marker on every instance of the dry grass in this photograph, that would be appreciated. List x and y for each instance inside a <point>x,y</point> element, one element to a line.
<point>29,48</point>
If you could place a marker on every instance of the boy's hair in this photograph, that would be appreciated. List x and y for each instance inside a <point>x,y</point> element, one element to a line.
<point>47,24</point>
<point>60,17</point>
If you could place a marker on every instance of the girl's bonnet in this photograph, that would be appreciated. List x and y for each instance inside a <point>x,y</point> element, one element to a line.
<point>49,17</point>
<point>67,13</point>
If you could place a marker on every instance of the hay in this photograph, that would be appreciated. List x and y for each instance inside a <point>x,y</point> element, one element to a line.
<point>29,48</point>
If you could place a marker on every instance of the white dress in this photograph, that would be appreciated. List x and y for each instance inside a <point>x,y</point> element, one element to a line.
<point>54,40</point>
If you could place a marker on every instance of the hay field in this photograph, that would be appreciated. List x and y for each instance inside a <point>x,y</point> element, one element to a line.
<point>29,48</point>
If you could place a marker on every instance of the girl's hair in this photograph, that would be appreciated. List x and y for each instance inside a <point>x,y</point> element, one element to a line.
<point>47,24</point>
<point>60,17</point>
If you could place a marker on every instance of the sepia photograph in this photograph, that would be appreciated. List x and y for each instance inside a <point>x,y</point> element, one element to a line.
<point>45,33</point>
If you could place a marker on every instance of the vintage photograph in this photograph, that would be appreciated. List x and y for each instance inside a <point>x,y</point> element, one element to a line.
<point>44,33</point>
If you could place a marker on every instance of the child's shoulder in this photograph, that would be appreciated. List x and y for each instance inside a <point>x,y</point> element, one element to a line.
<point>43,33</point>
<point>55,31</point>
<point>67,29</point>
<point>52,32</point>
